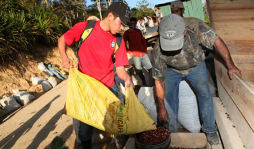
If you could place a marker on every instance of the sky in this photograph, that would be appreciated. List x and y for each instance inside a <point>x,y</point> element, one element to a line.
<point>133,3</point>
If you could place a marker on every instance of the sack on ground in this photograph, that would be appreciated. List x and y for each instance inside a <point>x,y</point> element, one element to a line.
<point>37,80</point>
<point>146,98</point>
<point>52,81</point>
<point>41,66</point>
<point>22,97</point>
<point>188,109</point>
<point>9,104</point>
<point>46,86</point>
<point>89,101</point>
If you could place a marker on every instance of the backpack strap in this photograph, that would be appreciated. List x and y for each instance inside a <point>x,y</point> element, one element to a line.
<point>118,42</point>
<point>87,31</point>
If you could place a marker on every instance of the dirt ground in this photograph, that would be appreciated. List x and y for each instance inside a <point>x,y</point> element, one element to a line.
<point>17,74</point>
<point>38,123</point>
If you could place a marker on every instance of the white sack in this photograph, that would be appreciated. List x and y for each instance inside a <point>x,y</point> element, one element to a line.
<point>146,98</point>
<point>46,86</point>
<point>37,80</point>
<point>22,97</point>
<point>188,109</point>
<point>9,104</point>
<point>52,81</point>
<point>41,66</point>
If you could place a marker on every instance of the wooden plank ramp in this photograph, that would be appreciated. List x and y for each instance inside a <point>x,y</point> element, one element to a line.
<point>228,133</point>
<point>237,96</point>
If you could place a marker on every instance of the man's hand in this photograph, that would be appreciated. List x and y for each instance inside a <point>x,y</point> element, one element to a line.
<point>232,70</point>
<point>131,55</point>
<point>128,82</point>
<point>67,63</point>
<point>123,75</point>
<point>163,115</point>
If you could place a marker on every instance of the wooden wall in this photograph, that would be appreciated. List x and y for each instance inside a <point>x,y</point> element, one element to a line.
<point>233,21</point>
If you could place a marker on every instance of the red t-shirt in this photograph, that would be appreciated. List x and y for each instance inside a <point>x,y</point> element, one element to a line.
<point>137,43</point>
<point>96,51</point>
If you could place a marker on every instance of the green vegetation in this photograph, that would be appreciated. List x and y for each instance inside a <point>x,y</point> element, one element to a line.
<point>58,143</point>
<point>206,15</point>
<point>24,23</point>
<point>142,9</point>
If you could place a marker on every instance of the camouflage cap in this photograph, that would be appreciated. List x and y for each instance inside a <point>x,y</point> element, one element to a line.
<point>171,29</point>
<point>177,4</point>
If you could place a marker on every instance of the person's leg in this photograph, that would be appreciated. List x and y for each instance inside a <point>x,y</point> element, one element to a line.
<point>147,64</point>
<point>171,98</point>
<point>199,80</point>
<point>121,140</point>
<point>137,64</point>
<point>85,134</point>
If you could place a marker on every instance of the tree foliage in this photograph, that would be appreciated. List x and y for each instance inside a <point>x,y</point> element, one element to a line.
<point>206,15</point>
<point>142,9</point>
<point>25,23</point>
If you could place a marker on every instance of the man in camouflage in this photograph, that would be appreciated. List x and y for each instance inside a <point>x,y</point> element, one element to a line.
<point>187,62</point>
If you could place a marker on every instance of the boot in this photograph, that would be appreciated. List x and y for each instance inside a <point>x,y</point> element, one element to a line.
<point>212,138</point>
<point>87,144</point>
<point>142,77</point>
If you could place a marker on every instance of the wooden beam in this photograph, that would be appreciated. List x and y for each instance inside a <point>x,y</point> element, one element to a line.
<point>151,35</point>
<point>241,93</point>
<point>228,133</point>
<point>243,128</point>
<point>230,1</point>
<point>243,59</point>
<point>188,140</point>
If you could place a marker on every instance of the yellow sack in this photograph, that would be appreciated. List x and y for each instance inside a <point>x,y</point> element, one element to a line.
<point>91,102</point>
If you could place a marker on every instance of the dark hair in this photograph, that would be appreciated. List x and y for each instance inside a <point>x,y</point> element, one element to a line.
<point>114,14</point>
<point>133,19</point>
<point>157,7</point>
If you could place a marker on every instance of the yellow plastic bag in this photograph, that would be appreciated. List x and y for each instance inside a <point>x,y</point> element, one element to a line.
<point>89,101</point>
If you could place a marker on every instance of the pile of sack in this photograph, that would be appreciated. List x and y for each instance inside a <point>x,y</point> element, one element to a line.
<point>11,103</point>
<point>53,76</point>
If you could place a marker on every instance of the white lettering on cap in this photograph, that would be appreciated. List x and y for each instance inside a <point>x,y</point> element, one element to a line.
<point>170,33</point>
<point>128,13</point>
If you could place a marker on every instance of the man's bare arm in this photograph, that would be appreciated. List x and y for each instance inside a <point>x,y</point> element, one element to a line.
<point>123,75</point>
<point>66,62</point>
<point>160,92</point>
<point>224,52</point>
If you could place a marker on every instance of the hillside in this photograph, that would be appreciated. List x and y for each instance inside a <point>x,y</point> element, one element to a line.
<point>17,74</point>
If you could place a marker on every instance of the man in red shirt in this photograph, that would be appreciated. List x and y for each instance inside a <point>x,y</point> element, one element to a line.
<point>95,55</point>
<point>137,49</point>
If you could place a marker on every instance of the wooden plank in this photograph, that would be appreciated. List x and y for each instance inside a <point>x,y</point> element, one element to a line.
<point>188,140</point>
<point>237,14</point>
<point>240,47</point>
<point>151,35</point>
<point>244,67</point>
<point>230,1</point>
<point>243,59</point>
<point>231,6</point>
<point>235,30</point>
<point>241,93</point>
<point>239,121</point>
<point>228,133</point>
<point>248,74</point>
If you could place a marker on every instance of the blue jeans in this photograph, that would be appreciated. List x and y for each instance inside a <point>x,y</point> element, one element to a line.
<point>142,59</point>
<point>198,78</point>
<point>86,131</point>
